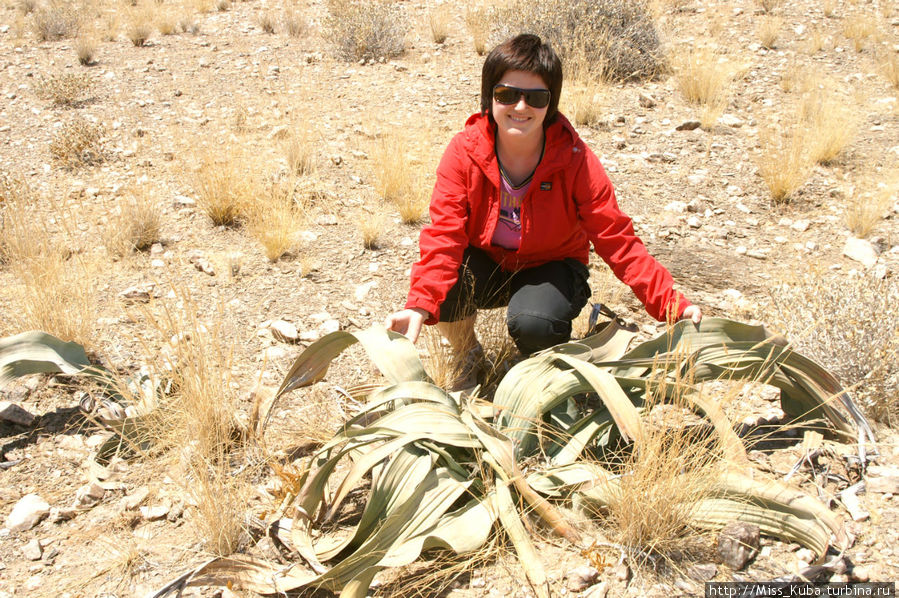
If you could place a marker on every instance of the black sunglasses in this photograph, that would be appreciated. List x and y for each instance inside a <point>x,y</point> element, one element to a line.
<point>508,95</point>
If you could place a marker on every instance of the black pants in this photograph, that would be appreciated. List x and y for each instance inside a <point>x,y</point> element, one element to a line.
<point>541,301</point>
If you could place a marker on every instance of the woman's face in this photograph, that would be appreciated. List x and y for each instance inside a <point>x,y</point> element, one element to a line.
<point>519,121</point>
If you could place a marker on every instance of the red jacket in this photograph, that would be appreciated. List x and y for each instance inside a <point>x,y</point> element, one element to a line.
<point>570,204</point>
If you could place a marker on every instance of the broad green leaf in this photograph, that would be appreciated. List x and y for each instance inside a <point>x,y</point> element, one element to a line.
<point>37,352</point>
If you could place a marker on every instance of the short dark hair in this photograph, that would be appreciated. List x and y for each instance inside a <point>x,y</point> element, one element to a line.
<point>525,52</point>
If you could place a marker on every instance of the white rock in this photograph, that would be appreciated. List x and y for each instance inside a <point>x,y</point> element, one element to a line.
<point>284,331</point>
<point>729,120</point>
<point>32,550</point>
<point>600,590</point>
<point>154,513</point>
<point>12,413</point>
<point>801,225</point>
<point>136,498</point>
<point>861,251</point>
<point>676,206</point>
<point>581,578</point>
<point>30,509</point>
<point>363,289</point>
<point>309,336</point>
<point>329,326</point>
<point>694,222</point>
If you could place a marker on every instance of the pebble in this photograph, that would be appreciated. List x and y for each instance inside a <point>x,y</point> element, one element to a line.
<point>32,550</point>
<point>29,510</point>
<point>89,495</point>
<point>860,250</point>
<point>12,413</point>
<point>136,498</point>
<point>154,513</point>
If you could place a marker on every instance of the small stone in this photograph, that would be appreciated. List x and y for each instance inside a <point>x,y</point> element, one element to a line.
<point>860,250</point>
<point>14,414</point>
<point>581,578</point>
<point>32,550</point>
<point>805,555</point>
<point>859,574</point>
<point>738,543</point>
<point>141,293</point>
<point>729,120</point>
<point>136,498</point>
<point>310,336</point>
<point>89,495</point>
<point>600,590</point>
<point>646,100</point>
<point>702,571</point>
<point>676,206</point>
<point>694,222</point>
<point>801,226</point>
<point>284,331</point>
<point>182,201</point>
<point>882,479</point>
<point>622,572</point>
<point>478,582</point>
<point>154,513</point>
<point>30,509</point>
<point>689,125</point>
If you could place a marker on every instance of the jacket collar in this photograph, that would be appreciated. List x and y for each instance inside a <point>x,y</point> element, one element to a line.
<point>480,135</point>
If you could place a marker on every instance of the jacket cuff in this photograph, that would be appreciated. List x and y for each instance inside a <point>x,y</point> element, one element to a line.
<point>429,306</point>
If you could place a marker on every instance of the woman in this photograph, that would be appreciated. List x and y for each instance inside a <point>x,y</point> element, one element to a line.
<point>519,199</point>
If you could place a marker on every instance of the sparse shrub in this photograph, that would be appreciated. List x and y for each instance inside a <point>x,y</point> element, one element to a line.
<point>188,24</point>
<point>866,208</point>
<point>16,198</point>
<point>849,324</point>
<point>86,48</point>
<point>79,143</point>
<point>701,76</point>
<point>226,186</point>
<point>166,22</point>
<point>222,5</point>
<point>831,125</point>
<point>294,23</point>
<point>858,29</point>
<point>477,20</point>
<point>139,30</point>
<point>582,101</point>
<point>617,39</point>
<point>798,78</point>
<point>26,6</point>
<point>366,30</point>
<point>784,164</point>
<point>56,20</point>
<point>412,203</point>
<point>274,219</point>
<point>64,89</point>
<point>827,7</point>
<point>769,5</point>
<point>815,41</point>
<point>371,226</point>
<point>889,64</point>
<point>267,21</point>
<point>300,154</point>
<point>136,226</point>
<point>769,30</point>
<point>438,20</point>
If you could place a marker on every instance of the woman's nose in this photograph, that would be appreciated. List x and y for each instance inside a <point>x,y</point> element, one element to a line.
<point>521,105</point>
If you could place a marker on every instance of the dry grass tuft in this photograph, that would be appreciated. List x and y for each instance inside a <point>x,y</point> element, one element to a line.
<point>439,23</point>
<point>784,164</point>
<point>79,143</point>
<point>295,24</point>
<point>889,64</point>
<point>139,28</point>
<point>86,49</point>
<point>866,208</point>
<point>371,227</point>
<point>830,125</point>
<point>299,150</point>
<point>828,7</point>
<point>197,425</point>
<point>816,41</point>
<point>702,77</point>
<point>268,21</point>
<point>135,227</point>
<point>769,30</point>
<point>477,20</point>
<point>360,30</point>
<point>829,317</point>
<point>275,218</point>
<point>770,5</point>
<point>166,22</point>
<point>222,5</point>
<point>671,467</point>
<point>225,185</point>
<point>583,101</point>
<point>65,89</point>
<point>397,180</point>
<point>56,288</point>
<point>859,29</point>
<point>55,20</point>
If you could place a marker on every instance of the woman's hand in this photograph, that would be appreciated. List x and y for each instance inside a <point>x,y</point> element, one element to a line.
<point>407,322</point>
<point>693,313</point>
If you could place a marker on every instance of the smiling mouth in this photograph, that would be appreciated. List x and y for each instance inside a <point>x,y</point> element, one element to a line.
<point>519,119</point>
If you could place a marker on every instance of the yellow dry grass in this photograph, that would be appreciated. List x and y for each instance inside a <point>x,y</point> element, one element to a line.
<point>769,30</point>
<point>136,225</point>
<point>859,29</point>
<point>225,183</point>
<point>477,21</point>
<point>702,77</point>
<point>830,122</point>
<point>398,180</point>
<point>866,208</point>
<point>783,163</point>
<point>275,218</point>
<point>371,226</point>
<point>889,65</point>
<point>439,23</point>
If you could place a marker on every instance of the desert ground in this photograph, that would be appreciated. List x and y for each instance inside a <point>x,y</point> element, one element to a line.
<point>227,167</point>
